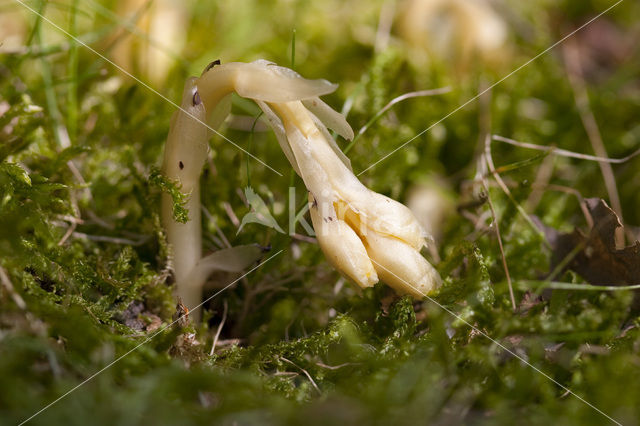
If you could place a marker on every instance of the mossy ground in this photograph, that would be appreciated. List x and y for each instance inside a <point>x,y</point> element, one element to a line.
<point>301,346</point>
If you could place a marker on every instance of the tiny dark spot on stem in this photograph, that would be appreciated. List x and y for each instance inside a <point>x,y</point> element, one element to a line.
<point>181,165</point>
<point>196,98</point>
<point>212,64</point>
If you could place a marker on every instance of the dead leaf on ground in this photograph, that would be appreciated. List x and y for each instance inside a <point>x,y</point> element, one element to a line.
<point>596,258</point>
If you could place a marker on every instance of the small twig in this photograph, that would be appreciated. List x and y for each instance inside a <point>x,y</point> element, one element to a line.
<point>417,94</point>
<point>335,367</point>
<point>574,71</point>
<point>580,198</point>
<point>557,285</point>
<point>223,237</point>
<point>553,187</point>
<point>286,373</point>
<point>243,197</point>
<point>504,258</point>
<point>8,285</point>
<point>409,95</point>
<point>67,234</point>
<point>215,338</point>
<point>74,220</point>
<point>71,219</point>
<point>565,153</point>
<point>489,159</point>
<point>86,308</point>
<point>484,115</point>
<point>231,214</point>
<point>99,221</point>
<point>483,162</point>
<point>107,239</point>
<point>228,342</point>
<point>78,177</point>
<point>304,238</point>
<point>306,373</point>
<point>542,179</point>
<point>338,286</point>
<point>560,267</point>
<point>586,348</point>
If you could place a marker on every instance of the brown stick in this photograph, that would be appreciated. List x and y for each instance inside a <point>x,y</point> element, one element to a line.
<point>574,71</point>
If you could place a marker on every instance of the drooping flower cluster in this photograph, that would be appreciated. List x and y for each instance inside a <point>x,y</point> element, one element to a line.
<point>364,235</point>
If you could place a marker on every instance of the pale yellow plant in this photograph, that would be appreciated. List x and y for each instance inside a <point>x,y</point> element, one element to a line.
<point>365,235</point>
<point>154,33</point>
<point>185,153</point>
<point>454,30</point>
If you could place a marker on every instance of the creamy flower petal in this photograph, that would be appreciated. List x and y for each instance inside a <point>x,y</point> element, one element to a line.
<point>341,246</point>
<point>278,128</point>
<point>381,213</point>
<point>401,267</point>
<point>364,235</point>
<point>389,217</point>
<point>261,80</point>
<point>330,117</point>
<point>332,143</point>
<point>314,176</point>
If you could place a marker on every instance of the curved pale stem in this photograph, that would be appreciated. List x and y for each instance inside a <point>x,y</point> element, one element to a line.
<point>185,154</point>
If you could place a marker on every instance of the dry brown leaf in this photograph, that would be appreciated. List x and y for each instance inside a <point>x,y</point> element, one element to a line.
<point>596,257</point>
